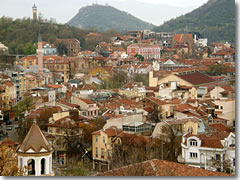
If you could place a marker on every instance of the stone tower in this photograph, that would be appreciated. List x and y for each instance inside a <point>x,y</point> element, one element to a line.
<point>40,56</point>
<point>34,10</point>
<point>35,153</point>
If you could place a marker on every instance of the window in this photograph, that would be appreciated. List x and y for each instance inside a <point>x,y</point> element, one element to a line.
<point>216,107</point>
<point>102,153</point>
<point>96,138</point>
<point>96,151</point>
<point>50,130</point>
<point>218,157</point>
<point>119,142</point>
<point>221,107</point>
<point>103,139</point>
<point>190,130</point>
<point>193,143</point>
<point>193,155</point>
<point>233,161</point>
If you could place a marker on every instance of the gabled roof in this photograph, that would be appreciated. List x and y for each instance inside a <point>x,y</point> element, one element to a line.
<point>196,78</point>
<point>180,37</point>
<point>34,140</point>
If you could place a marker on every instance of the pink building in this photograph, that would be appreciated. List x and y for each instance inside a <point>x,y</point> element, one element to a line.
<point>148,51</point>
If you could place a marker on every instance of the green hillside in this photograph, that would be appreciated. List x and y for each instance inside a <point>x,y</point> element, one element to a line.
<point>106,18</point>
<point>21,35</point>
<point>215,20</point>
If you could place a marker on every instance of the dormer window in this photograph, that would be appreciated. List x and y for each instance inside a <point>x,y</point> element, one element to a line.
<point>193,142</point>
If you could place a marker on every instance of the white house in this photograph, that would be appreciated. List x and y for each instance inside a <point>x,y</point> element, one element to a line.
<point>209,151</point>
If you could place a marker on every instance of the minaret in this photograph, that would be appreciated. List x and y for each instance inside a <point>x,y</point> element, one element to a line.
<point>40,56</point>
<point>34,10</point>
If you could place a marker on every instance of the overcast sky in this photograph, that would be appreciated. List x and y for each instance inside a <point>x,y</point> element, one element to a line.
<point>153,11</point>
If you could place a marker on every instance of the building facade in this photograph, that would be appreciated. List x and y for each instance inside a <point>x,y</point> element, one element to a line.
<point>146,50</point>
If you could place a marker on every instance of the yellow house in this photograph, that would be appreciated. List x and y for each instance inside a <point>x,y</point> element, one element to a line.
<point>8,94</point>
<point>27,61</point>
<point>185,125</point>
<point>102,146</point>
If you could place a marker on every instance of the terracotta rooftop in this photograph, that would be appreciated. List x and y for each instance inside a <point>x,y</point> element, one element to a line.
<point>157,167</point>
<point>180,37</point>
<point>34,140</point>
<point>220,127</point>
<point>87,101</point>
<point>157,101</point>
<point>196,78</point>
<point>54,86</point>
<point>8,141</point>
<point>65,122</point>
<point>211,141</point>
<point>111,132</point>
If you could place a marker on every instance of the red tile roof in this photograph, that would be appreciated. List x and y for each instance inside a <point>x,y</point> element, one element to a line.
<point>196,78</point>
<point>87,101</point>
<point>8,141</point>
<point>211,141</point>
<point>54,86</point>
<point>179,37</point>
<point>220,127</point>
<point>157,101</point>
<point>157,167</point>
<point>111,132</point>
<point>8,83</point>
<point>63,123</point>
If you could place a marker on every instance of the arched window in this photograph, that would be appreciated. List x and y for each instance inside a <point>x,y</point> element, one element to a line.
<point>31,167</point>
<point>43,164</point>
<point>21,163</point>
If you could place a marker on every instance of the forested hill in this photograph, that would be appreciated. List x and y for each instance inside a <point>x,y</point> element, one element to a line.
<point>107,17</point>
<point>21,35</point>
<point>215,20</point>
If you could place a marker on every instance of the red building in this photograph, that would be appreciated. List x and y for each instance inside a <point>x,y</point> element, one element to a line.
<point>148,51</point>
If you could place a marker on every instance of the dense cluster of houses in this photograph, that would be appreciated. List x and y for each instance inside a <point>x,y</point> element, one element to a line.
<point>180,98</point>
